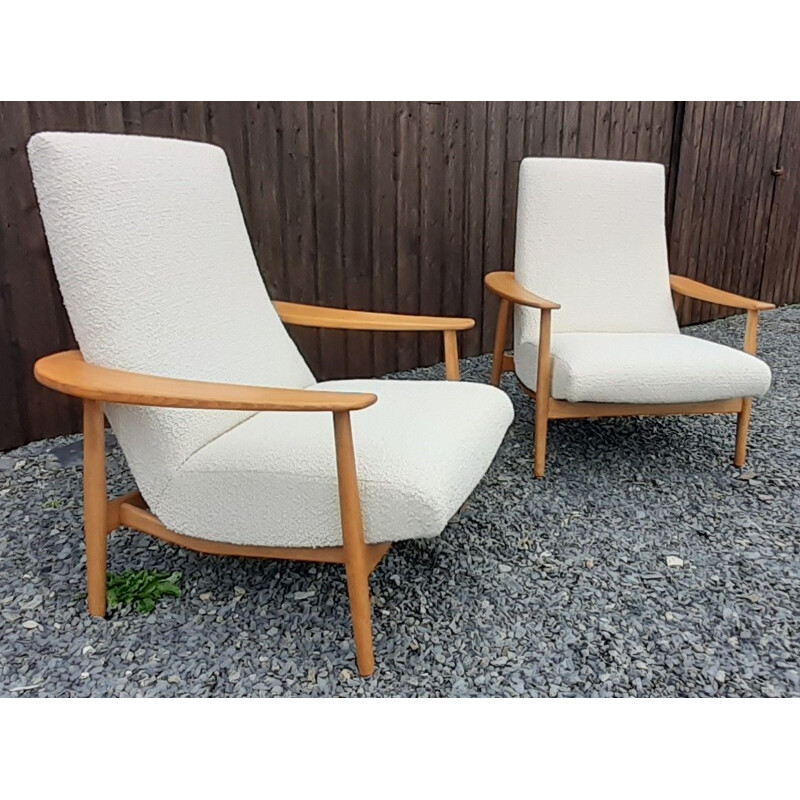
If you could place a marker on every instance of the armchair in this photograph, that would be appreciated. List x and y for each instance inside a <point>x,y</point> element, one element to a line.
<point>234,446</point>
<point>590,235</point>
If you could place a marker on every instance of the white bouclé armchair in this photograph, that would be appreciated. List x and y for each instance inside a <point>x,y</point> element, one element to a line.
<point>234,446</point>
<point>591,238</point>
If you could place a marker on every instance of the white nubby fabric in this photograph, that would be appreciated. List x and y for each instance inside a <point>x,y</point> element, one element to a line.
<point>591,237</point>
<point>158,276</point>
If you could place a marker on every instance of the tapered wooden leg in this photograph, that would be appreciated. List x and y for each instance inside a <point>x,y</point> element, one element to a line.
<point>95,503</point>
<point>500,341</point>
<point>542,395</point>
<point>540,441</point>
<point>742,429</point>
<point>355,549</point>
<point>743,419</point>
<point>451,356</point>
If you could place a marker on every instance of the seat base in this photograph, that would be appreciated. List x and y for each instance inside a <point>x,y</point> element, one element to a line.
<point>132,512</point>
<point>563,409</point>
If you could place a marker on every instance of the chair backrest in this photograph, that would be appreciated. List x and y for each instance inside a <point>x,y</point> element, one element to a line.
<point>158,276</point>
<point>591,236</point>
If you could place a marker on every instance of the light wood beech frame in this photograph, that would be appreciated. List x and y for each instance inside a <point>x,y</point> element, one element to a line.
<point>547,407</point>
<point>68,373</point>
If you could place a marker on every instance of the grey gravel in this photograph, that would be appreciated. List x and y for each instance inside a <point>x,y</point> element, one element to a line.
<point>551,588</point>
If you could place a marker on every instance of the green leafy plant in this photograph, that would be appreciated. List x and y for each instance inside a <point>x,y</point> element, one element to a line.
<point>54,503</point>
<point>142,589</point>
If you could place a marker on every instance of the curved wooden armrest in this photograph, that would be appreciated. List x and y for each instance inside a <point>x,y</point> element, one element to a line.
<point>701,291</point>
<point>505,285</point>
<point>344,319</point>
<point>68,373</point>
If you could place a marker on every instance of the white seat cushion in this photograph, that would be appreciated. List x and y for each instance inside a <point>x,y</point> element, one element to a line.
<point>420,451</point>
<point>644,368</point>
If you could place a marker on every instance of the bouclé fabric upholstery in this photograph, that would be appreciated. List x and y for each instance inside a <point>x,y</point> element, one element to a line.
<point>591,237</point>
<point>158,276</point>
<point>644,368</point>
<point>420,451</point>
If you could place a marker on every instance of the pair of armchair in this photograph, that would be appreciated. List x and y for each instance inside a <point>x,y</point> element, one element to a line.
<point>179,340</point>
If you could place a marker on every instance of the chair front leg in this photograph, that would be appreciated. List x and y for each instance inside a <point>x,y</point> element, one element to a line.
<point>95,505</point>
<point>543,363</point>
<point>743,419</point>
<point>355,548</point>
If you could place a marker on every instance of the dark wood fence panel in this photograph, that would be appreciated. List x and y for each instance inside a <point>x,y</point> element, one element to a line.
<point>780,280</point>
<point>724,197</point>
<point>404,207</point>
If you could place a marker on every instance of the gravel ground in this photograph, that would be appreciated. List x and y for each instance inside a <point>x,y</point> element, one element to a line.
<point>644,564</point>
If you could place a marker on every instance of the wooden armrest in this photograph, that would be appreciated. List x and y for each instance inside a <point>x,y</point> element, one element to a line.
<point>68,373</point>
<point>343,319</point>
<point>505,285</point>
<point>701,291</point>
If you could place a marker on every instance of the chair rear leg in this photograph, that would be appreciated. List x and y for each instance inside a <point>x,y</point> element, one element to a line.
<point>95,505</point>
<point>742,429</point>
<point>355,549</point>
<point>500,341</point>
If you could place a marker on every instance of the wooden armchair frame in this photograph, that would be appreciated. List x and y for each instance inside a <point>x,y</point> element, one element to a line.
<point>506,287</point>
<point>68,373</point>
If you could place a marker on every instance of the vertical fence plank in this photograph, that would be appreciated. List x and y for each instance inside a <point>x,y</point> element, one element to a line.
<point>455,125</point>
<point>493,210</point>
<point>616,131</point>
<point>330,258</point>
<point>156,118</point>
<point>644,131</point>
<point>189,120</point>
<point>263,122</point>
<point>693,308</point>
<point>431,224</point>
<point>743,198</point>
<point>534,128</point>
<point>630,135</point>
<point>408,233</point>
<point>602,129</point>
<point>553,127</point>
<point>132,117</point>
<point>705,266</point>
<point>298,221</point>
<point>515,151</point>
<point>570,130</point>
<point>13,391</point>
<point>475,193</point>
<point>717,253</point>
<point>357,211</point>
<point>383,199</point>
<point>585,142</point>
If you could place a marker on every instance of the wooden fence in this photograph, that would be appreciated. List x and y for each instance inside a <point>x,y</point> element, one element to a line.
<point>404,206</point>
